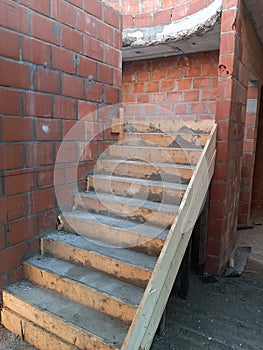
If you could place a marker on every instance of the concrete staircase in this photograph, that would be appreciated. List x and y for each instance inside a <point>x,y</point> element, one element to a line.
<point>104,280</point>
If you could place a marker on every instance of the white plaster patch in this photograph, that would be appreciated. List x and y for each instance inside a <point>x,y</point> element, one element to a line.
<point>46,128</point>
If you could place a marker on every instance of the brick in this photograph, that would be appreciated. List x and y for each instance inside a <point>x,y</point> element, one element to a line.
<point>14,74</point>
<point>41,200</point>
<point>46,29</point>
<point>137,88</point>
<point>143,76</point>
<point>94,92</point>
<point>87,110</point>
<point>180,11</point>
<point>105,74</point>
<point>130,7</point>
<point>196,5</point>
<point>37,105</point>
<point>94,8</point>
<point>217,209</point>
<point>67,152</point>
<point>12,208</point>
<point>105,33</point>
<point>41,6</point>
<point>10,102</point>
<point>173,96</point>
<point>190,96</point>
<point>48,129</point>
<point>209,95</point>
<point>86,23</point>
<point>35,51</point>
<point>143,20</point>
<point>41,153</point>
<point>47,221</point>
<point>87,67</point>
<point>152,87</point>
<point>184,84</point>
<point>19,181</point>
<point>93,48</point>
<point>63,194</point>
<point>72,39</point>
<point>228,43</point>
<point>111,17</point>
<point>63,12</point>
<point>9,44</point>
<point>63,60</point>
<point>14,16</point>
<point>77,3</point>
<point>16,275</point>
<point>72,86</point>
<point>117,77</point>
<point>127,21</point>
<point>193,71</point>
<point>21,230</point>
<point>199,108</point>
<point>11,257</point>
<point>16,129</point>
<point>64,108</point>
<point>159,74</point>
<point>228,20</point>
<point>45,177</point>
<point>73,130</point>
<point>11,156</point>
<point>112,94</point>
<point>47,80</point>
<point>214,247</point>
<point>210,69</point>
<point>162,17</point>
<point>175,73</point>
<point>200,83</point>
<point>181,108</point>
<point>112,56</point>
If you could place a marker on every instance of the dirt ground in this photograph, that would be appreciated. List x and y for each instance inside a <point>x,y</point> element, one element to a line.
<point>224,315</point>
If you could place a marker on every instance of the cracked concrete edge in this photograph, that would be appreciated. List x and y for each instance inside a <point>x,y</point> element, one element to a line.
<point>199,23</point>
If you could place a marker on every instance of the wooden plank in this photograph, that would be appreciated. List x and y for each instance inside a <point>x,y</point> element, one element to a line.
<point>156,191</point>
<point>80,293</point>
<point>30,332</point>
<point>154,154</point>
<point>190,126</point>
<point>113,235</point>
<point>165,139</point>
<point>157,292</point>
<point>142,170</point>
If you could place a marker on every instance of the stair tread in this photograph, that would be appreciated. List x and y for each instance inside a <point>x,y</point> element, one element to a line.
<point>131,257</point>
<point>110,330</point>
<point>163,207</point>
<point>161,148</point>
<point>145,229</point>
<point>139,162</point>
<point>144,182</point>
<point>90,277</point>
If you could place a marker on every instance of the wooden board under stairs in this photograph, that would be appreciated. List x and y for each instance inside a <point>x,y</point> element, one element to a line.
<point>103,281</point>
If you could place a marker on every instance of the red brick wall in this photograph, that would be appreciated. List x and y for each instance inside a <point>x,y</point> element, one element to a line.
<point>145,13</point>
<point>181,86</point>
<point>48,50</point>
<point>248,159</point>
<point>240,54</point>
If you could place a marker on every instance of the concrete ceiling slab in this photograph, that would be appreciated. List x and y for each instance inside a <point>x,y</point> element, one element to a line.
<point>255,11</point>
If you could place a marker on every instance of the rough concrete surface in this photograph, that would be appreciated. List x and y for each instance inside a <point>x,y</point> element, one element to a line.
<point>225,315</point>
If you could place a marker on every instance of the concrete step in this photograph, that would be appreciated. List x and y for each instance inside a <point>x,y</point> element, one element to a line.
<point>174,173</point>
<point>129,208</point>
<point>124,264</point>
<point>122,233</point>
<point>170,126</point>
<point>170,155</point>
<point>50,321</point>
<point>156,139</point>
<point>85,285</point>
<point>156,191</point>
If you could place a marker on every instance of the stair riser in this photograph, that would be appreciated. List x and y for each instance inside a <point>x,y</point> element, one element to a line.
<point>50,324</point>
<point>137,190</point>
<point>113,235</point>
<point>165,140</point>
<point>173,126</point>
<point>80,293</point>
<point>116,268</point>
<point>154,154</point>
<point>139,214</point>
<point>33,334</point>
<point>144,171</point>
